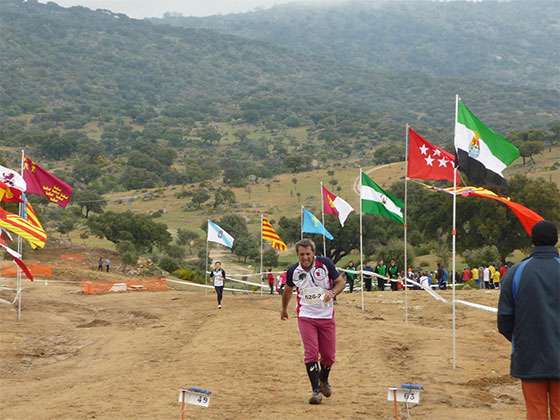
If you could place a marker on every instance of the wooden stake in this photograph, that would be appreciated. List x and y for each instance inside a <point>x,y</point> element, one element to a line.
<point>396,405</point>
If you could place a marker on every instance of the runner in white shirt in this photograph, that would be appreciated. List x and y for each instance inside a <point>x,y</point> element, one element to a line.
<point>317,282</point>
<point>219,275</point>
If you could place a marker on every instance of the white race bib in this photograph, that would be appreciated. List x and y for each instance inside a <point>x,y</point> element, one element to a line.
<point>313,295</point>
<point>218,279</point>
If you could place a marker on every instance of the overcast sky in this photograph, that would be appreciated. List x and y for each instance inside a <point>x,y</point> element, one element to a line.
<point>156,8</point>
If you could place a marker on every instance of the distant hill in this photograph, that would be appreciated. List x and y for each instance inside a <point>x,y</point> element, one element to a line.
<point>94,64</point>
<point>503,41</point>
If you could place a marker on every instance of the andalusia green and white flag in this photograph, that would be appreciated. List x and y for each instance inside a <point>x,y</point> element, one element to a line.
<point>377,201</point>
<point>482,154</point>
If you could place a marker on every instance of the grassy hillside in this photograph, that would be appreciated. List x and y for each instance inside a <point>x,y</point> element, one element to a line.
<point>84,65</point>
<point>282,199</point>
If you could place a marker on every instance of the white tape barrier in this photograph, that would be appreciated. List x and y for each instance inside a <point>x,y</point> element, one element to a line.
<point>429,290</point>
<point>478,306</point>
<point>186,283</point>
<point>264,286</point>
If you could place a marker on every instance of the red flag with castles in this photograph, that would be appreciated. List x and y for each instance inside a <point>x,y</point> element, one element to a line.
<point>44,183</point>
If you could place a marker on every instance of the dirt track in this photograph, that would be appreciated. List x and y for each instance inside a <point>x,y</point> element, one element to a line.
<point>125,356</point>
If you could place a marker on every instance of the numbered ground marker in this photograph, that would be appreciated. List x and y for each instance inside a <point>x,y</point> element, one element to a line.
<point>195,396</point>
<point>405,395</point>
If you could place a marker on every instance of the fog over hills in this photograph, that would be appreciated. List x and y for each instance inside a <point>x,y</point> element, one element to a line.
<point>508,42</point>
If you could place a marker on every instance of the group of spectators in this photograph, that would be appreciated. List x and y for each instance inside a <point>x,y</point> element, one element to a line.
<point>100,264</point>
<point>392,272</point>
<point>486,277</point>
<point>276,283</point>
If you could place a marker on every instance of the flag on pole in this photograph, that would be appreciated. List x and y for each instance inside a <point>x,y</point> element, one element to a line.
<point>12,185</point>
<point>218,235</point>
<point>9,195</point>
<point>27,230</point>
<point>269,234</point>
<point>44,183</point>
<point>526,216</point>
<point>28,213</point>
<point>333,204</point>
<point>312,225</point>
<point>426,161</point>
<point>5,236</point>
<point>17,259</point>
<point>377,201</point>
<point>482,154</point>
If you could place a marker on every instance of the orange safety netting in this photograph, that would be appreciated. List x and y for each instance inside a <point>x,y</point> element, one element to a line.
<point>73,257</point>
<point>95,287</point>
<point>37,269</point>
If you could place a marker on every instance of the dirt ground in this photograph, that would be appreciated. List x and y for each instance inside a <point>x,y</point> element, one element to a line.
<point>125,356</point>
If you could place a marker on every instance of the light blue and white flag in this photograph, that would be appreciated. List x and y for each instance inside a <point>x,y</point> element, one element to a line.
<point>312,225</point>
<point>218,235</point>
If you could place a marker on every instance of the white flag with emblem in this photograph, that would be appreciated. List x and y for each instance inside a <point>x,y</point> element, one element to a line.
<point>218,235</point>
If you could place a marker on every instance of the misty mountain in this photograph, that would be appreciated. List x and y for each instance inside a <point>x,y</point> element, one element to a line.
<point>95,63</point>
<point>507,42</point>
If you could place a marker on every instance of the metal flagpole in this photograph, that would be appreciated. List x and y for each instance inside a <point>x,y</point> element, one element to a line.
<point>206,267</point>
<point>405,229</point>
<point>361,244</point>
<point>19,291</point>
<point>261,271</point>
<point>454,233</point>
<point>323,220</point>
<point>301,221</point>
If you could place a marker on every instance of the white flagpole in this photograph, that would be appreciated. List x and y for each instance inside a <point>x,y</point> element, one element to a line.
<point>261,255</point>
<point>301,221</point>
<point>323,220</point>
<point>405,269</point>
<point>19,291</point>
<point>361,244</point>
<point>454,232</point>
<point>206,266</point>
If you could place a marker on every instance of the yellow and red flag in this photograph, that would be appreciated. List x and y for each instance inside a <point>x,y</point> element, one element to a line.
<point>526,216</point>
<point>27,230</point>
<point>44,183</point>
<point>30,215</point>
<point>8,194</point>
<point>269,234</point>
<point>12,185</point>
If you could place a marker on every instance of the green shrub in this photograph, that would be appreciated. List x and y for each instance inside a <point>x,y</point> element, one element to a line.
<point>169,264</point>
<point>422,250</point>
<point>188,275</point>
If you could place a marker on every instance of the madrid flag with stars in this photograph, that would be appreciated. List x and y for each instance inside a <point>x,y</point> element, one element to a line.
<point>426,161</point>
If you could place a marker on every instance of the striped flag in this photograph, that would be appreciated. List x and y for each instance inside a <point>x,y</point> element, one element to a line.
<point>482,154</point>
<point>5,236</point>
<point>269,234</point>
<point>526,216</point>
<point>17,259</point>
<point>18,225</point>
<point>29,214</point>
<point>375,200</point>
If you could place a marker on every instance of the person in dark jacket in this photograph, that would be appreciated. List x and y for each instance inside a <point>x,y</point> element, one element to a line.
<point>529,317</point>
<point>440,277</point>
